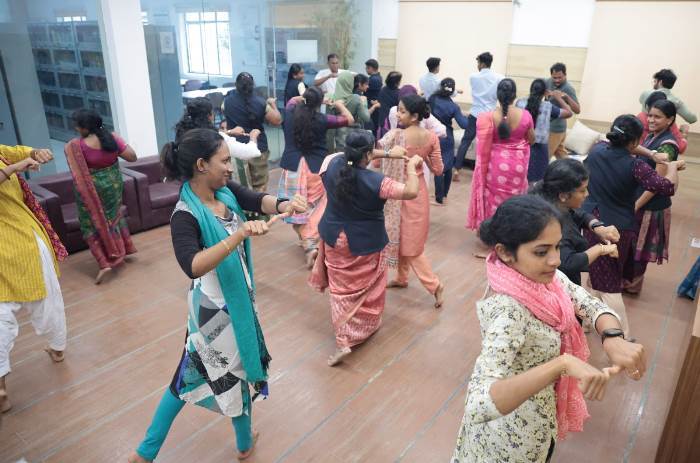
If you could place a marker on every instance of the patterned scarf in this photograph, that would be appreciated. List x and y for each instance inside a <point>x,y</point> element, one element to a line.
<point>396,170</point>
<point>552,305</point>
<point>34,206</point>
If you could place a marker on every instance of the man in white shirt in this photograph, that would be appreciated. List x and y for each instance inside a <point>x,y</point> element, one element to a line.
<point>430,83</point>
<point>484,84</point>
<point>326,78</point>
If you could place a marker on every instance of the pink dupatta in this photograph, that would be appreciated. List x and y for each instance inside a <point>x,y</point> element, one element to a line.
<point>552,305</point>
<point>484,139</point>
<point>86,188</point>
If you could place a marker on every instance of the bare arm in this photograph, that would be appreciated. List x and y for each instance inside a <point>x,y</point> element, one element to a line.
<point>573,104</point>
<point>128,154</point>
<point>344,112</point>
<point>272,114</point>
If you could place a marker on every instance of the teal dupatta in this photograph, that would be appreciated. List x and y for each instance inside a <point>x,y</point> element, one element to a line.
<point>239,301</point>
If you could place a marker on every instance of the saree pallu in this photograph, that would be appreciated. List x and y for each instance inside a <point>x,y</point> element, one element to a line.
<point>309,185</point>
<point>98,195</point>
<point>653,236</point>
<point>357,287</point>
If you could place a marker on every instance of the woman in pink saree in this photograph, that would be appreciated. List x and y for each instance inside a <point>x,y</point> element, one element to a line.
<point>502,156</point>
<point>351,259</point>
<point>407,222</point>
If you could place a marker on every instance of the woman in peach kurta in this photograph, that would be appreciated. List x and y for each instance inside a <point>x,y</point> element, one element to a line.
<point>407,222</point>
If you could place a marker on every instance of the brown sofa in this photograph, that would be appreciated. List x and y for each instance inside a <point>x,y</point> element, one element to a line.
<point>55,193</point>
<point>157,198</point>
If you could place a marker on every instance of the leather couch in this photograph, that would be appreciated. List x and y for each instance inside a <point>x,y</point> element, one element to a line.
<point>157,198</point>
<point>55,193</point>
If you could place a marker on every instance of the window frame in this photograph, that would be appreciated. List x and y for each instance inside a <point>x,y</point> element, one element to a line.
<point>185,42</point>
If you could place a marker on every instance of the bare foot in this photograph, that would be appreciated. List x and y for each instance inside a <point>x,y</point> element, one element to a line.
<point>56,355</point>
<point>136,458</point>
<point>249,452</point>
<point>455,175</point>
<point>438,296</point>
<point>5,404</point>
<point>311,258</point>
<point>396,284</point>
<point>101,275</point>
<point>338,356</point>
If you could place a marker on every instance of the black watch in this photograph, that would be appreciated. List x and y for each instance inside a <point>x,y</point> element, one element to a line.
<point>597,224</point>
<point>611,333</point>
<point>277,204</point>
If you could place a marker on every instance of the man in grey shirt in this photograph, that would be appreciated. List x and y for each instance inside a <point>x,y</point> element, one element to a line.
<point>557,83</point>
<point>664,80</point>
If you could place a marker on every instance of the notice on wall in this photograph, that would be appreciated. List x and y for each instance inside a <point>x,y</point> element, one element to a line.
<point>167,43</point>
<point>302,51</point>
<point>695,242</point>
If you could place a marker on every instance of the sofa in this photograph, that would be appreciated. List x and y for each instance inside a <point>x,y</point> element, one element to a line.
<point>156,197</point>
<point>56,194</point>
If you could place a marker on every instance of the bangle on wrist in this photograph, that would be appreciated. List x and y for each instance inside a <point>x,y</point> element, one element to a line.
<point>226,245</point>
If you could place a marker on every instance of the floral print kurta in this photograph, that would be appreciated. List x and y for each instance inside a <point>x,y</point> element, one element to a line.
<point>513,341</point>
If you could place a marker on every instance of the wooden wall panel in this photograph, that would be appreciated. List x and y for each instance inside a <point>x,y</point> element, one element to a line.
<point>534,61</point>
<point>386,51</point>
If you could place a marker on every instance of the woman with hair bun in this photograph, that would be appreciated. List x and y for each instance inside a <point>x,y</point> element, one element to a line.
<point>407,222</point>
<point>503,144</point>
<point>615,177</point>
<point>93,160</point>
<point>532,375</point>
<point>225,362</point>
<point>351,261</point>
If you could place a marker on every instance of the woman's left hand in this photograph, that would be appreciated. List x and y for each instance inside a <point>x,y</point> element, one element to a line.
<point>609,233</point>
<point>629,356</point>
<point>297,205</point>
<point>42,156</point>
<point>237,131</point>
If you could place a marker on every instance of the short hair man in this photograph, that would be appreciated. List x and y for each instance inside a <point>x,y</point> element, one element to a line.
<point>326,78</point>
<point>557,83</point>
<point>375,85</point>
<point>663,81</point>
<point>430,83</point>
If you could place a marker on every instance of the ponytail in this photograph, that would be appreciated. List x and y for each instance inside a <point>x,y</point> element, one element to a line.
<point>506,95</point>
<point>537,90</point>
<point>303,118</point>
<point>245,86</point>
<point>196,116</point>
<point>89,120</point>
<point>357,144</point>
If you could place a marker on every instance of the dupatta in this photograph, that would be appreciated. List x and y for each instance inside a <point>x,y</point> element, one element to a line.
<point>484,139</point>
<point>82,180</point>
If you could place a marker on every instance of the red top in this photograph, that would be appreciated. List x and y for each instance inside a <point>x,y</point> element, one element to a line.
<point>98,158</point>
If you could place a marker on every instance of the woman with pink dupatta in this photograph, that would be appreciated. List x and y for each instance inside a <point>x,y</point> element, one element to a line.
<point>531,378</point>
<point>407,222</point>
<point>93,160</point>
<point>503,140</point>
<point>351,259</point>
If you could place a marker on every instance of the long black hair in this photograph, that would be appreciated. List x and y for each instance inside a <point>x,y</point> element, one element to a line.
<point>303,118</point>
<point>358,80</point>
<point>624,130</point>
<point>518,220</point>
<point>196,116</point>
<point>537,91</point>
<point>561,176</point>
<point>294,69</point>
<point>416,104</point>
<point>505,93</point>
<point>245,85</point>
<point>179,158</point>
<point>653,98</point>
<point>357,144</point>
<point>393,80</point>
<point>89,120</point>
<point>447,87</point>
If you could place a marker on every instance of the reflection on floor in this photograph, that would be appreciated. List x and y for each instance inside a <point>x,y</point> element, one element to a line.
<point>399,397</point>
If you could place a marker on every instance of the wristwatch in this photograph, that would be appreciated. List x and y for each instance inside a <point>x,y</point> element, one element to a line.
<point>597,224</point>
<point>280,201</point>
<point>611,333</point>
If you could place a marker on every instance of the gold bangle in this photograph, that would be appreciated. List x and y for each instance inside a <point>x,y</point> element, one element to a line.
<point>228,248</point>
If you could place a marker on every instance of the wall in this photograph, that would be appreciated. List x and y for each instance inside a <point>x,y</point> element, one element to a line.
<point>385,23</point>
<point>456,32</point>
<point>626,49</point>
<point>568,26</point>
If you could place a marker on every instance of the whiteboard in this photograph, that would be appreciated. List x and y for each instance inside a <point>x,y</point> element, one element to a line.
<point>302,51</point>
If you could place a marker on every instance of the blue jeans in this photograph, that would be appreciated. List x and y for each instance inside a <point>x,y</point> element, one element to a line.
<point>443,182</point>
<point>167,410</point>
<point>467,139</point>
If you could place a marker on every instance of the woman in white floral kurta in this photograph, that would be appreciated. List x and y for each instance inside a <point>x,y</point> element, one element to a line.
<point>519,349</point>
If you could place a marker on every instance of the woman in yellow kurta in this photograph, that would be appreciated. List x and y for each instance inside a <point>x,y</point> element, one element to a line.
<point>29,254</point>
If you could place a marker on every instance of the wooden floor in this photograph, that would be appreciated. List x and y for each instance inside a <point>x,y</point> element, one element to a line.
<point>399,397</point>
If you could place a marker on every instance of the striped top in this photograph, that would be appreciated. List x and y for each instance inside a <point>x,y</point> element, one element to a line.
<point>21,277</point>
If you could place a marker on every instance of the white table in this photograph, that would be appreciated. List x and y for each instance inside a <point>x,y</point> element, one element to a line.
<point>201,93</point>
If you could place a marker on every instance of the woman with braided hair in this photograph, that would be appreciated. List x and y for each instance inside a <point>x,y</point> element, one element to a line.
<point>504,136</point>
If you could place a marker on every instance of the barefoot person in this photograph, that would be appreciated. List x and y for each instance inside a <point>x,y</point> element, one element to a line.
<point>351,261</point>
<point>408,221</point>
<point>93,160</point>
<point>29,255</point>
<point>531,378</point>
<point>225,354</point>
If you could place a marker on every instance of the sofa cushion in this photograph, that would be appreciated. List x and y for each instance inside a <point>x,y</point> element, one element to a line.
<point>580,139</point>
<point>164,194</point>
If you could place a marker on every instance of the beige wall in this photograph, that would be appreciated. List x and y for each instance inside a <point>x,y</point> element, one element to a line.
<point>629,42</point>
<point>456,32</point>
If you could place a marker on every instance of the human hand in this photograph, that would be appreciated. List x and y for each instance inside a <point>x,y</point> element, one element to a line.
<point>684,129</point>
<point>680,164</point>
<point>415,161</point>
<point>254,228</point>
<point>376,104</point>
<point>628,356</point>
<point>272,101</point>
<point>609,233</point>
<point>659,157</point>
<point>42,155</point>
<point>339,104</point>
<point>236,132</point>
<point>333,75</point>
<point>397,152</point>
<point>296,205</point>
<point>363,99</point>
<point>557,94</point>
<point>460,91</point>
<point>25,165</point>
<point>254,134</point>
<point>591,381</point>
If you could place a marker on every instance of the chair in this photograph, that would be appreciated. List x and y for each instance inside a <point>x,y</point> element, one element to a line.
<point>207,86</point>
<point>229,85</point>
<point>192,84</point>
<point>58,195</point>
<point>157,198</point>
<point>217,99</point>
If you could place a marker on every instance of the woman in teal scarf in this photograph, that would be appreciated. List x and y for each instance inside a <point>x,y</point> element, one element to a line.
<point>225,354</point>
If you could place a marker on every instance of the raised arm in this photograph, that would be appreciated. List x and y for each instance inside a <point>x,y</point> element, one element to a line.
<point>272,114</point>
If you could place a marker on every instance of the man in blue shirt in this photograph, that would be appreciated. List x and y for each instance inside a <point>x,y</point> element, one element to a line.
<point>375,85</point>
<point>484,84</point>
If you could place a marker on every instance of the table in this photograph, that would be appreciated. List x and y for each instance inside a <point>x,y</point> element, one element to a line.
<point>201,93</point>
